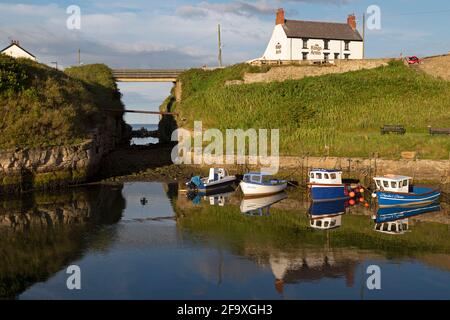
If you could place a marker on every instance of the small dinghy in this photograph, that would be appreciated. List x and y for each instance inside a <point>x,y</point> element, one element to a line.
<point>218,178</point>
<point>398,191</point>
<point>258,184</point>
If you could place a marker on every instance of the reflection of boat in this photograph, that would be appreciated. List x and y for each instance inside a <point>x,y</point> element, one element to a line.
<point>394,220</point>
<point>257,206</point>
<point>258,184</point>
<point>216,197</point>
<point>327,208</point>
<point>326,185</point>
<point>394,191</point>
<point>396,213</point>
<point>326,223</point>
<point>393,227</point>
<point>326,215</point>
<point>218,178</point>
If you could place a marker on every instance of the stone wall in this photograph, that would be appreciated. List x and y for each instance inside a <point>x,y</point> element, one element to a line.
<point>295,72</point>
<point>23,169</point>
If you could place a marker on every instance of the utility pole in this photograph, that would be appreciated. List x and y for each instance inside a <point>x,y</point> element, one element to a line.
<point>364,36</point>
<point>79,57</point>
<point>220,47</point>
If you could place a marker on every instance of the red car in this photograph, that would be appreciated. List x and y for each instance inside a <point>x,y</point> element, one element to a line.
<point>413,60</point>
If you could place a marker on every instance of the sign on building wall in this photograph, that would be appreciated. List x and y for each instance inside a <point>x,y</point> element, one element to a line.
<point>316,50</point>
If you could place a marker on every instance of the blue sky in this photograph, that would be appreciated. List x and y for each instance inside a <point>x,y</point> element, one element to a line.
<point>159,34</point>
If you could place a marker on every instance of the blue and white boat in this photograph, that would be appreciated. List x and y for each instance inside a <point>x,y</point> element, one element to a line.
<point>218,178</point>
<point>326,185</point>
<point>398,191</point>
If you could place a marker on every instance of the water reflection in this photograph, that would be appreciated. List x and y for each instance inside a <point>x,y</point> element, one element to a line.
<point>261,206</point>
<point>395,220</point>
<point>171,248</point>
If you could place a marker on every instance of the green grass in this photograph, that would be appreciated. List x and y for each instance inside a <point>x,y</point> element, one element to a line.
<point>41,106</point>
<point>337,114</point>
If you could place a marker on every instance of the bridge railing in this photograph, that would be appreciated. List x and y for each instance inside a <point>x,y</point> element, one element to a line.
<point>147,73</point>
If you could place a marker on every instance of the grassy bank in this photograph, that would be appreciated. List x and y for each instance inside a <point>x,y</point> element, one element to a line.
<point>41,106</point>
<point>336,114</point>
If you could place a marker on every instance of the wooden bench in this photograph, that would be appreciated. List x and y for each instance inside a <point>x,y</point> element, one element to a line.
<point>439,130</point>
<point>393,128</point>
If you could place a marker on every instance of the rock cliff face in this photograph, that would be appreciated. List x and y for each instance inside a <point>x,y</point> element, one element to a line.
<point>23,169</point>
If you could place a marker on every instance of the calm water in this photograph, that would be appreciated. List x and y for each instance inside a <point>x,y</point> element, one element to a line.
<point>219,247</point>
<point>143,141</point>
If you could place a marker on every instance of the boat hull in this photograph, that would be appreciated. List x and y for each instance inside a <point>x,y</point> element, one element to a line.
<point>323,192</point>
<point>419,196</point>
<point>259,190</point>
<point>214,185</point>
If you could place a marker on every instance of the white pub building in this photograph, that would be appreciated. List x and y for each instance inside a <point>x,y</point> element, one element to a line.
<point>297,40</point>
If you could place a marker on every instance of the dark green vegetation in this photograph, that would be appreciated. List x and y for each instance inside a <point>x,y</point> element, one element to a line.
<point>41,106</point>
<point>336,114</point>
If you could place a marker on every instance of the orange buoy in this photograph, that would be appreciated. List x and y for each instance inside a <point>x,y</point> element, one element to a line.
<point>352,194</point>
<point>361,190</point>
<point>362,199</point>
<point>366,204</point>
<point>352,202</point>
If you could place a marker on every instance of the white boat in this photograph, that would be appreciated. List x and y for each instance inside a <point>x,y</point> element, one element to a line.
<point>218,178</point>
<point>258,184</point>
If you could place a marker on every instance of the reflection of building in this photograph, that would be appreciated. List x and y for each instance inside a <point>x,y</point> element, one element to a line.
<point>312,265</point>
<point>295,40</point>
<point>16,51</point>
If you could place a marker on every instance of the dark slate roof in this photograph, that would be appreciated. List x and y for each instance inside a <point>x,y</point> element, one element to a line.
<point>320,30</point>
<point>15,44</point>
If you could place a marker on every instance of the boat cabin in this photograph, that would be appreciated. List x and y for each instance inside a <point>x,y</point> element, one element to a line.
<point>325,176</point>
<point>394,183</point>
<point>393,227</point>
<point>326,223</point>
<point>258,177</point>
<point>216,174</point>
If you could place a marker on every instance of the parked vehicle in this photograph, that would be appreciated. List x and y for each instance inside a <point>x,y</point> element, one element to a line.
<point>326,185</point>
<point>413,60</point>
<point>398,191</point>
<point>258,184</point>
<point>218,178</point>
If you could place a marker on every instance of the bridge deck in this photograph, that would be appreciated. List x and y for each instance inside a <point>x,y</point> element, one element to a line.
<point>147,75</point>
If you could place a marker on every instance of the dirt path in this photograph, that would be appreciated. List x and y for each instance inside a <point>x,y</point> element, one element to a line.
<point>437,66</point>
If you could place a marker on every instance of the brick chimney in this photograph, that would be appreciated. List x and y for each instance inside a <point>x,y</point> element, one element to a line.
<point>351,21</point>
<point>280,16</point>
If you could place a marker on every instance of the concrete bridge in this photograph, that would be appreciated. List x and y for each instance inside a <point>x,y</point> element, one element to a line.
<point>147,75</point>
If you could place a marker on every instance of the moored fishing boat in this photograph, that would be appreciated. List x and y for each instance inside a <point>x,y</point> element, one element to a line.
<point>399,191</point>
<point>258,184</point>
<point>218,178</point>
<point>326,185</point>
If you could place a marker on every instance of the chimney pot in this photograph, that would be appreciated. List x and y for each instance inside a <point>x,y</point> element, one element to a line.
<point>280,16</point>
<point>351,21</point>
